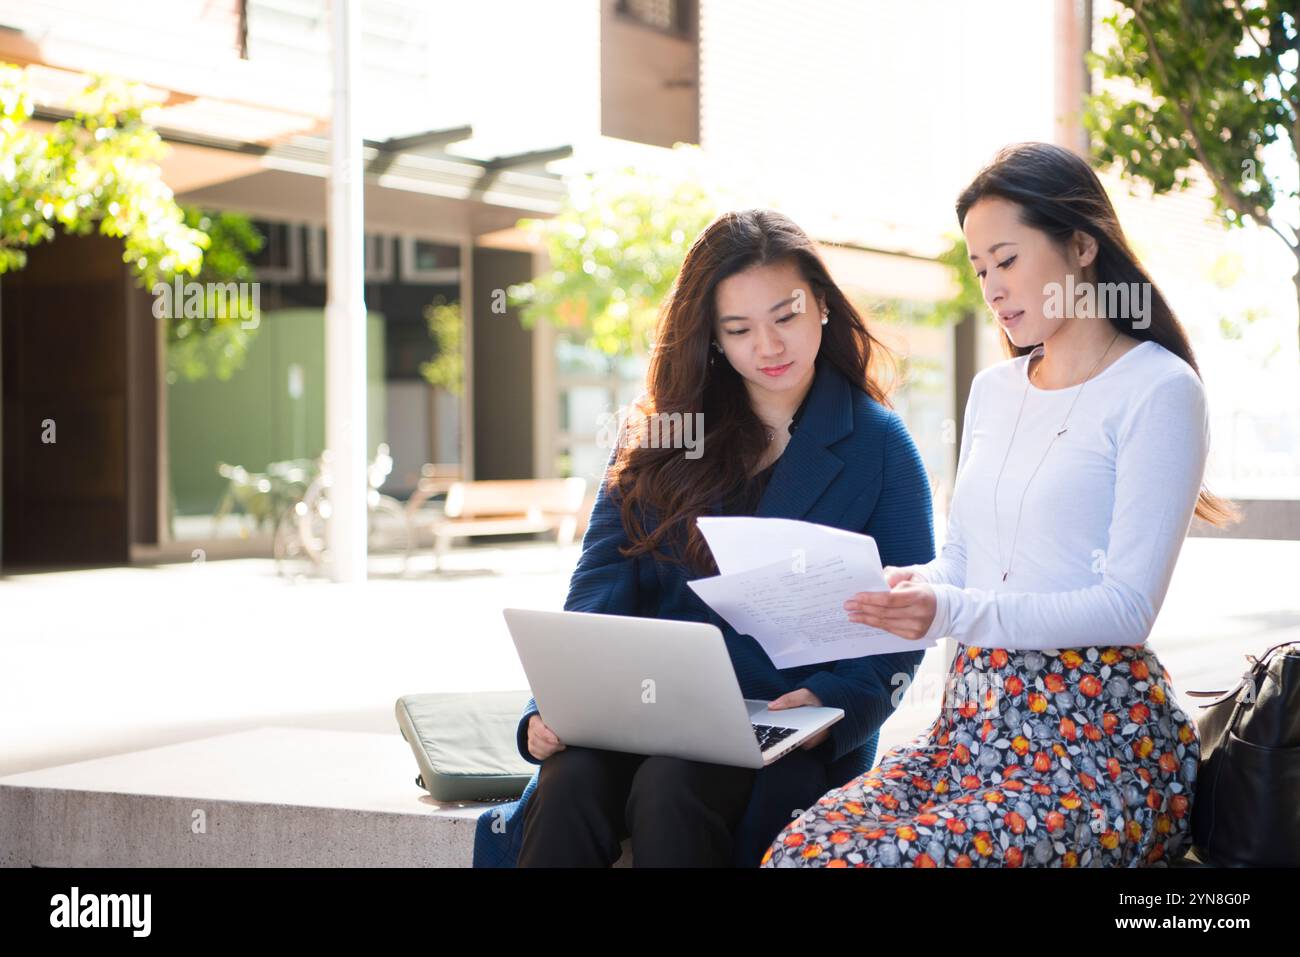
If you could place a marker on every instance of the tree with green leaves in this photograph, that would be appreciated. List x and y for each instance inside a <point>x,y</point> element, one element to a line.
<point>98,170</point>
<point>446,370</point>
<point>1216,84</point>
<point>217,342</point>
<point>615,251</point>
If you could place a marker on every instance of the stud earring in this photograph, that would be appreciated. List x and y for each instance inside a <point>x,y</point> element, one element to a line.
<point>717,345</point>
<point>826,316</point>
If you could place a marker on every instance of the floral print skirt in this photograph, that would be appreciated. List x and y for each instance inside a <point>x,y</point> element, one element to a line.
<point>1049,758</point>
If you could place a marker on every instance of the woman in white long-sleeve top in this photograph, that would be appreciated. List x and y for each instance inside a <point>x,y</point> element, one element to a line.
<point>1060,741</point>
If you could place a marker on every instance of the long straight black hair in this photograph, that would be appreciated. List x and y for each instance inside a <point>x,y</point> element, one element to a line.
<point>1058,193</point>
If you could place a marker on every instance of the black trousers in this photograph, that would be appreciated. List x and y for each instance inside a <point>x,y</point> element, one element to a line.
<point>677,812</point>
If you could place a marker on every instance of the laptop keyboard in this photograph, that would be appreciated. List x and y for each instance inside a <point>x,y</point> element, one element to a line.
<point>769,735</point>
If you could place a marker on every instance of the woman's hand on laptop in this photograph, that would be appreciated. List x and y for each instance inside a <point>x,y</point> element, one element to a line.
<point>542,741</point>
<point>800,698</point>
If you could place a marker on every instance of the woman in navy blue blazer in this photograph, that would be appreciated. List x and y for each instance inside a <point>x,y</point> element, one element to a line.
<point>758,341</point>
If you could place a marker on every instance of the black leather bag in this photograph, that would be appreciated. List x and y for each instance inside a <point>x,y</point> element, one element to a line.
<point>1247,807</point>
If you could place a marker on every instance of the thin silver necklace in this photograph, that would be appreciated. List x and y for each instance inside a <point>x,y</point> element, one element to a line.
<point>997,528</point>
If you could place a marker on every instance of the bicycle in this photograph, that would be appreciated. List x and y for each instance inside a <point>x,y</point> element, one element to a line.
<point>301,531</point>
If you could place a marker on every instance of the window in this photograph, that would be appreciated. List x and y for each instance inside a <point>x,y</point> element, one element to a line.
<point>377,256</point>
<point>280,259</point>
<point>593,392</point>
<point>671,16</point>
<point>429,262</point>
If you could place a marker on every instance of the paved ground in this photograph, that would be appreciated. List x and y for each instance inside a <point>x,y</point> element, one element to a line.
<point>106,661</point>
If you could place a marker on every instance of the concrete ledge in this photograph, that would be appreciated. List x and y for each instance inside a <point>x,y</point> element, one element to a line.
<point>272,797</point>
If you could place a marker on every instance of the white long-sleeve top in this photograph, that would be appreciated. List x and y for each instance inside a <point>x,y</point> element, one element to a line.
<point>1103,520</point>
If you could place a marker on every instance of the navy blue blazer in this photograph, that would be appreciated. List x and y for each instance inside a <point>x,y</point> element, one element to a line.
<point>850,464</point>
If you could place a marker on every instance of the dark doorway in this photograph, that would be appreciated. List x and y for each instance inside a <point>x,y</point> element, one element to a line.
<point>63,358</point>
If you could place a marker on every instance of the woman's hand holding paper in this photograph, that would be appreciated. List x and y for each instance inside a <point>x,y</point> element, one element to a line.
<point>906,610</point>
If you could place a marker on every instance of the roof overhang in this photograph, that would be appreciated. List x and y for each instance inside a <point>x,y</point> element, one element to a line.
<point>888,275</point>
<point>260,178</point>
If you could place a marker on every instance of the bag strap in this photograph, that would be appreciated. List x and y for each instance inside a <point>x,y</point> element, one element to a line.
<point>1248,675</point>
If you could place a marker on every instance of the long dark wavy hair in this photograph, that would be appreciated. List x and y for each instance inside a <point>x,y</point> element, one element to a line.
<point>1057,192</point>
<point>662,482</point>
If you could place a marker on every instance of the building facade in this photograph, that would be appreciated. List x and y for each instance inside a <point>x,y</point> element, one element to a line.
<point>862,121</point>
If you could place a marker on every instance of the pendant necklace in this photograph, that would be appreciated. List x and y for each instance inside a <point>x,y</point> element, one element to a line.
<point>1059,432</point>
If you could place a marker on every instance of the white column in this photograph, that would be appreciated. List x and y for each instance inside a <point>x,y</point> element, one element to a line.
<point>345,312</point>
<point>467,464</point>
<point>1072,34</point>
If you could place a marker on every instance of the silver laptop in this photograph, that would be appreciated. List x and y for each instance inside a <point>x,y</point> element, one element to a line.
<point>651,686</point>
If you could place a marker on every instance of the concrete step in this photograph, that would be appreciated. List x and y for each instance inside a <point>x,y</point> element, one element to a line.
<point>270,797</point>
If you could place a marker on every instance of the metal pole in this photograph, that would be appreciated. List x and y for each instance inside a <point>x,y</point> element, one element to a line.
<point>345,312</point>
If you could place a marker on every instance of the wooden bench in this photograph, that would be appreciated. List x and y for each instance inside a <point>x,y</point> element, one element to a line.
<point>510,507</point>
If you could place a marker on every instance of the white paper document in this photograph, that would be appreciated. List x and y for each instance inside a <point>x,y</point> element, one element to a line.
<point>785,583</point>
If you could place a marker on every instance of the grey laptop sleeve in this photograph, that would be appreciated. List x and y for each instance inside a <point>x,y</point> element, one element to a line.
<point>464,743</point>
